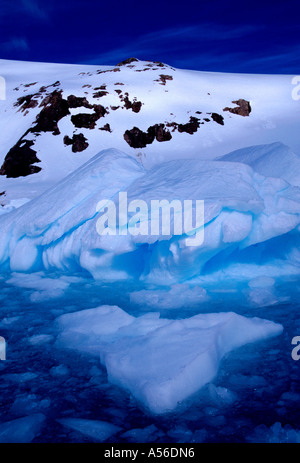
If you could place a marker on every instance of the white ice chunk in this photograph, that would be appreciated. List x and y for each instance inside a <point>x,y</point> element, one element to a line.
<point>160,361</point>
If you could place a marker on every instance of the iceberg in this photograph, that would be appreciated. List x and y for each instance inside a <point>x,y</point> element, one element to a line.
<point>242,210</point>
<point>272,160</point>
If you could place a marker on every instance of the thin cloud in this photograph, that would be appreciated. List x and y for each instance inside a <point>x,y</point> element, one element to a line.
<point>16,43</point>
<point>207,32</point>
<point>175,40</point>
<point>34,8</point>
<point>29,8</point>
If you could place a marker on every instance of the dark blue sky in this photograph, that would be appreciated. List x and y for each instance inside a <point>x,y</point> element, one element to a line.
<point>218,35</point>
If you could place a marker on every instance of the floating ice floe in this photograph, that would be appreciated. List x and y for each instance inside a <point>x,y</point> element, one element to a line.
<point>160,361</point>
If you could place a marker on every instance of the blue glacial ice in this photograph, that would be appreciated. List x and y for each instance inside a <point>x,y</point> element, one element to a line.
<point>249,218</point>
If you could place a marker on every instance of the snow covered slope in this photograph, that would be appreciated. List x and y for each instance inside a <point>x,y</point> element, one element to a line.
<point>56,117</point>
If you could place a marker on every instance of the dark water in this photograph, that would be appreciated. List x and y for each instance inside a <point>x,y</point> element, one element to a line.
<point>254,398</point>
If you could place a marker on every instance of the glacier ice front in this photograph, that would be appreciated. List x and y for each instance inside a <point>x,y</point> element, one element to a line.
<point>160,361</point>
<point>249,218</point>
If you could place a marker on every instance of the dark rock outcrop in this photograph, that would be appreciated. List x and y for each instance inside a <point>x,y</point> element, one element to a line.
<point>243,108</point>
<point>78,102</point>
<point>127,61</point>
<point>217,118</point>
<point>100,94</point>
<point>88,121</point>
<point>190,127</point>
<point>106,127</point>
<point>136,138</point>
<point>163,79</point>
<point>54,109</point>
<point>78,141</point>
<point>26,102</point>
<point>135,105</point>
<point>161,134</point>
<point>20,159</point>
